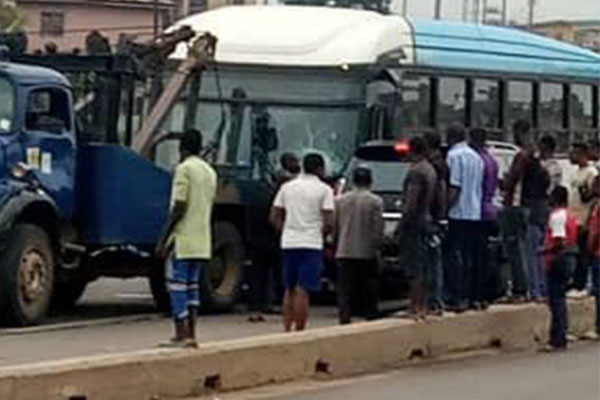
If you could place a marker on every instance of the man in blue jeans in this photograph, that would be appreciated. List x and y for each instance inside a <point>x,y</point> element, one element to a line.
<point>303,212</point>
<point>188,232</point>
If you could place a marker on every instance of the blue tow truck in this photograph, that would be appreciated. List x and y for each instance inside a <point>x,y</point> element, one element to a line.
<point>71,208</point>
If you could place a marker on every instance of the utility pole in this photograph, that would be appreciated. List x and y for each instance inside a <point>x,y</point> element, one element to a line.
<point>476,11</point>
<point>465,10</point>
<point>405,7</point>
<point>485,12</point>
<point>155,9</point>
<point>438,9</point>
<point>531,13</point>
<point>504,11</point>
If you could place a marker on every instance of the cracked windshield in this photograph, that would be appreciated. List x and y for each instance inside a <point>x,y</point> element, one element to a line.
<point>249,119</point>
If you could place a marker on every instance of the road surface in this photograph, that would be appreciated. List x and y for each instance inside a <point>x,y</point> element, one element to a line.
<point>572,375</point>
<point>118,315</point>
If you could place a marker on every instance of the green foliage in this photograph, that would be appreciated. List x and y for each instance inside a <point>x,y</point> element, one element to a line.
<point>12,19</point>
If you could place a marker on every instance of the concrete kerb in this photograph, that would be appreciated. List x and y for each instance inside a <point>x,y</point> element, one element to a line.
<point>244,363</point>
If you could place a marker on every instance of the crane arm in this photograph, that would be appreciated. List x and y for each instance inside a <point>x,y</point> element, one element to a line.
<point>201,52</point>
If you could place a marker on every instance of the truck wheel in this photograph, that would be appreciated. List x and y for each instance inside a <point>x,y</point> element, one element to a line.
<point>66,294</point>
<point>223,274</point>
<point>26,276</point>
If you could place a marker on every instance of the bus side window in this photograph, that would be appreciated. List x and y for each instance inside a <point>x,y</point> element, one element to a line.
<point>520,102</point>
<point>451,102</point>
<point>416,102</point>
<point>486,104</point>
<point>581,107</point>
<point>551,107</point>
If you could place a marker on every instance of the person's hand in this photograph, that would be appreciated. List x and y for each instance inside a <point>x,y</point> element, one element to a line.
<point>162,249</point>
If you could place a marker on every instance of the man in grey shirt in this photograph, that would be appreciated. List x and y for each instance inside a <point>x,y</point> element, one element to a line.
<point>359,233</point>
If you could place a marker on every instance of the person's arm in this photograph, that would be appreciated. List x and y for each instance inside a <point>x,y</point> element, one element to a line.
<point>513,176</point>
<point>594,235</point>
<point>411,200</point>
<point>180,195</point>
<point>327,210</point>
<point>277,214</point>
<point>377,218</point>
<point>585,190</point>
<point>454,181</point>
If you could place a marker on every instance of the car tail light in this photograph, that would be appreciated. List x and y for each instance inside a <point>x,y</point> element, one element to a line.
<point>402,148</point>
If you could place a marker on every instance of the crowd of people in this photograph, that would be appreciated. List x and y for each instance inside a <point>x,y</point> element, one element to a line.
<point>451,220</point>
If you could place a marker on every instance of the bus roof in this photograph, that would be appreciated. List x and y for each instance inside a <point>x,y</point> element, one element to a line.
<point>300,36</point>
<point>449,45</point>
<point>321,36</point>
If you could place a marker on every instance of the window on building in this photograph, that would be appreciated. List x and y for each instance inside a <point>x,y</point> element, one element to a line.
<point>520,99</point>
<point>486,104</point>
<point>581,107</point>
<point>416,101</point>
<point>52,23</point>
<point>451,102</point>
<point>551,106</point>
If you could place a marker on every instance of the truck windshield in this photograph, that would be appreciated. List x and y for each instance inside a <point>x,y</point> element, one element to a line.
<point>252,117</point>
<point>6,105</point>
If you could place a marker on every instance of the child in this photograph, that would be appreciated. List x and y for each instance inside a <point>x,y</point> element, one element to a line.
<point>594,250</point>
<point>561,247</point>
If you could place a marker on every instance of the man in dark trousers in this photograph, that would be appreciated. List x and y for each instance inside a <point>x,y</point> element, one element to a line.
<point>359,232</point>
<point>188,232</point>
<point>416,226</point>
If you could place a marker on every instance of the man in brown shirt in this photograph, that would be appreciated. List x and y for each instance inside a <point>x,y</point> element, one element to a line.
<point>359,233</point>
<point>416,249</point>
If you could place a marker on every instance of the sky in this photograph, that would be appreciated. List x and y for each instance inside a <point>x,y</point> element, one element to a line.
<point>517,9</point>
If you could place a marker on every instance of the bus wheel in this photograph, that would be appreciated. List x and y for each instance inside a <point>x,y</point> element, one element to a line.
<point>26,276</point>
<point>223,274</point>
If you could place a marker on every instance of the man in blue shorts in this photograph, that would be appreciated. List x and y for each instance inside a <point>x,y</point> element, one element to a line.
<point>188,234</point>
<point>303,213</point>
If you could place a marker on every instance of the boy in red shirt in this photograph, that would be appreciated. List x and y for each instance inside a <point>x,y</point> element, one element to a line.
<point>594,250</point>
<point>561,250</point>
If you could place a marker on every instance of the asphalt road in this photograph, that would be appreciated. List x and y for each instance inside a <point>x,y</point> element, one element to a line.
<point>118,315</point>
<point>572,375</point>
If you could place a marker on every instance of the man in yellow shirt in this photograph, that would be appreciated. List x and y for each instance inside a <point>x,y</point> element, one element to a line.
<point>188,232</point>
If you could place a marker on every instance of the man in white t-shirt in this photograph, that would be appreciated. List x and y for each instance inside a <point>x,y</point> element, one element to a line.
<point>303,212</point>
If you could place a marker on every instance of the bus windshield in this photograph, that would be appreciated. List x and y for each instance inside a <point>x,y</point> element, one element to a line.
<point>250,117</point>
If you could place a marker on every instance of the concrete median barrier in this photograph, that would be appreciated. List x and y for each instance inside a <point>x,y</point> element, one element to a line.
<point>236,364</point>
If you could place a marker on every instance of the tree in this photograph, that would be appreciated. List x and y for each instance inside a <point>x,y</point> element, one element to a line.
<point>12,34</point>
<point>11,18</point>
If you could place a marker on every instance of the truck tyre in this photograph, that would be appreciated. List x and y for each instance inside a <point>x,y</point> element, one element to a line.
<point>223,274</point>
<point>66,294</point>
<point>26,276</point>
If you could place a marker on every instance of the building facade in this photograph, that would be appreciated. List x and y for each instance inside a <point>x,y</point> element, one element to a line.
<point>67,23</point>
<point>582,33</point>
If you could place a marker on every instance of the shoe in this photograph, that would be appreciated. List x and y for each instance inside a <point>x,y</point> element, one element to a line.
<point>553,349</point>
<point>256,318</point>
<point>591,335</point>
<point>173,344</point>
<point>577,294</point>
<point>571,338</point>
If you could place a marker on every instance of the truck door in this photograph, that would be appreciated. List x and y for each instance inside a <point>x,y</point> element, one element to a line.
<point>49,142</point>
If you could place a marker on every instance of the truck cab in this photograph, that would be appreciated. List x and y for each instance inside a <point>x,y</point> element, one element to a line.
<point>37,186</point>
